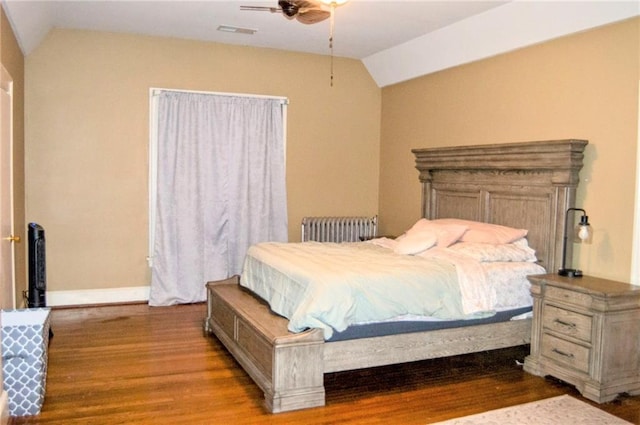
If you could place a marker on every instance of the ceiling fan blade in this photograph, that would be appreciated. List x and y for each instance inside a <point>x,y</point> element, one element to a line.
<point>312,16</point>
<point>307,4</point>
<point>305,11</point>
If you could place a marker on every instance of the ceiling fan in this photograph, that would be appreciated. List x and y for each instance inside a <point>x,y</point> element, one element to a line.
<point>305,11</point>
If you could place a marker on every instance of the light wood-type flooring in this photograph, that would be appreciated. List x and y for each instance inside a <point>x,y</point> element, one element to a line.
<point>135,364</point>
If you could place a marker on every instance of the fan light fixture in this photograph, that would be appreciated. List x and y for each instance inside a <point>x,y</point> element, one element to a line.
<point>583,233</point>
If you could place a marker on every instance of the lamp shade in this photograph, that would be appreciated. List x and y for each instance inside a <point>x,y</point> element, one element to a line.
<point>583,230</point>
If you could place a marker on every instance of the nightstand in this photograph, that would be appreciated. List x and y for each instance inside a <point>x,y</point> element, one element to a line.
<point>586,331</point>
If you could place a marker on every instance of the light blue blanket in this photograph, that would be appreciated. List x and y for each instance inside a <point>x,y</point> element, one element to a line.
<point>332,286</point>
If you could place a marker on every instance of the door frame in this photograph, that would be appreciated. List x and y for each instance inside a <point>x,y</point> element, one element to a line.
<point>7,224</point>
<point>6,85</point>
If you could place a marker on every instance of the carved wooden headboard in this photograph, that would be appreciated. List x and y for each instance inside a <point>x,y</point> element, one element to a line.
<point>524,185</point>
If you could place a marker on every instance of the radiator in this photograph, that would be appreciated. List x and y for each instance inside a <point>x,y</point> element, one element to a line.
<point>339,229</point>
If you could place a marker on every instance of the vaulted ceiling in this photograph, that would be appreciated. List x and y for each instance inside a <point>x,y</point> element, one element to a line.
<point>396,40</point>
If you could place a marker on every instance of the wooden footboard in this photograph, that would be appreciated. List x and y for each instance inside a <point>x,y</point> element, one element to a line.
<point>287,367</point>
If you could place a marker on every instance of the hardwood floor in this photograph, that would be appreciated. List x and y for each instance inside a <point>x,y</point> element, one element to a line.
<point>135,364</point>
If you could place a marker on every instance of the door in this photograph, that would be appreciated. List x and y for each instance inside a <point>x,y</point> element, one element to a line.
<point>7,249</point>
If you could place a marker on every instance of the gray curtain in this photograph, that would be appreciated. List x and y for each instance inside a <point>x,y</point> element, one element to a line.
<point>220,189</point>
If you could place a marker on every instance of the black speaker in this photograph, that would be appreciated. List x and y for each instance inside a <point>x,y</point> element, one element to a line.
<point>37,267</point>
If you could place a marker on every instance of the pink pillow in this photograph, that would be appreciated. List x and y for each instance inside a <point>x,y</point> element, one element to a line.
<point>446,234</point>
<point>486,232</point>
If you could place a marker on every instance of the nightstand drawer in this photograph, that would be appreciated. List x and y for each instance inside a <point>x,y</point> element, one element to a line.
<point>567,322</point>
<point>568,296</point>
<point>565,352</point>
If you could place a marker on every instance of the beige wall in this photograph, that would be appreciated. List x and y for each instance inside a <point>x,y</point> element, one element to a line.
<point>87,135</point>
<point>87,102</point>
<point>13,61</point>
<point>582,86</point>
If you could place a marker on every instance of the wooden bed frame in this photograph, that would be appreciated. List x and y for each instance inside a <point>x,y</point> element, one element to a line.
<point>525,185</point>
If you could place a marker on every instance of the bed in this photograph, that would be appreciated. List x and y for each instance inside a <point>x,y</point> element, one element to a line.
<point>526,185</point>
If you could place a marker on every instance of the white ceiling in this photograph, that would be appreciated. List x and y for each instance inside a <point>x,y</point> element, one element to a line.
<point>362,27</point>
<point>381,33</point>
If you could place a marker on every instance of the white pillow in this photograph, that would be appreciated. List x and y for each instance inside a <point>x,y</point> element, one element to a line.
<point>446,234</point>
<point>518,251</point>
<point>416,243</point>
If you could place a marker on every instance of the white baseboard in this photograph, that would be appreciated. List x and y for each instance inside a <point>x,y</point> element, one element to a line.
<point>97,296</point>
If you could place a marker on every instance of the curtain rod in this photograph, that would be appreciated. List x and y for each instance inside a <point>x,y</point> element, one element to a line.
<point>156,91</point>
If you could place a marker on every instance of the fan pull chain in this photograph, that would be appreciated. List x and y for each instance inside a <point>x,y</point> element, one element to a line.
<point>331,26</point>
<point>331,66</point>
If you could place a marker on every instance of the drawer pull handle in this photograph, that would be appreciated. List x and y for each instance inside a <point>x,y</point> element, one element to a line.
<point>562,353</point>
<point>567,324</point>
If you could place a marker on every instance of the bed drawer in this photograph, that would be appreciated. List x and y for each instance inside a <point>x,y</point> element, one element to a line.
<point>255,346</point>
<point>567,322</point>
<point>566,353</point>
<point>224,316</point>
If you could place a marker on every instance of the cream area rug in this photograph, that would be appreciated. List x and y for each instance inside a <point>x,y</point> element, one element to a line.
<point>562,410</point>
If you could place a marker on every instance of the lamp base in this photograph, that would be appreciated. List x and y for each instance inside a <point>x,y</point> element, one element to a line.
<point>570,272</point>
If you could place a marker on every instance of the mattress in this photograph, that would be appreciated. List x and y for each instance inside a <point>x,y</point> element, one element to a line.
<point>394,327</point>
<point>513,302</point>
<point>338,286</point>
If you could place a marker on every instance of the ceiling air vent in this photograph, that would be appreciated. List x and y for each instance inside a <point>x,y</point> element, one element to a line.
<point>237,30</point>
